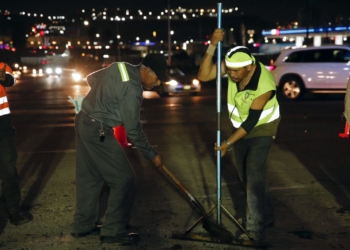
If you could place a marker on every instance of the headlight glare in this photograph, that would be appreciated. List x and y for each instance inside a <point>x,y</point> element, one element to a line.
<point>48,71</point>
<point>195,82</point>
<point>58,70</point>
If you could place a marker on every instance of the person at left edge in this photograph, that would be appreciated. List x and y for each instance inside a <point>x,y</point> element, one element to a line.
<point>114,99</point>
<point>11,192</point>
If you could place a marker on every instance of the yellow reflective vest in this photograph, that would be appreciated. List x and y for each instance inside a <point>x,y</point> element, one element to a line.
<point>239,102</point>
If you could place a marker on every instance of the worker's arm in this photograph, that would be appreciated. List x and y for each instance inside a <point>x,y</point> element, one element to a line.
<point>253,117</point>
<point>207,69</point>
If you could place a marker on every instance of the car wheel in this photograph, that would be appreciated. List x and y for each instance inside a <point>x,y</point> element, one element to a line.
<point>292,88</point>
<point>160,91</point>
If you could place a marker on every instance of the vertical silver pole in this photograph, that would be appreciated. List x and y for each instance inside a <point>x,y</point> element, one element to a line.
<point>169,35</point>
<point>218,100</point>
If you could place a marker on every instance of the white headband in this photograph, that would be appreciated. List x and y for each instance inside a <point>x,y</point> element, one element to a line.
<point>238,64</point>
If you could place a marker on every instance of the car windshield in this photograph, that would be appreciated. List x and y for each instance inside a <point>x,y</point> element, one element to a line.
<point>175,72</point>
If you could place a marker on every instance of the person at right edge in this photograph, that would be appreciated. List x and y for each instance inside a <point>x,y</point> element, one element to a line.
<point>115,98</point>
<point>254,112</point>
<point>346,112</point>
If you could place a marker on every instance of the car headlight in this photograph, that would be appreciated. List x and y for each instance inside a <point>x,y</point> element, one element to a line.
<point>76,76</point>
<point>16,73</point>
<point>58,70</point>
<point>195,82</point>
<point>48,71</point>
<point>172,83</point>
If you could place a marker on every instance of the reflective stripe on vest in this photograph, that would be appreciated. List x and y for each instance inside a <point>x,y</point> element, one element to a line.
<point>265,113</point>
<point>123,72</point>
<point>4,105</point>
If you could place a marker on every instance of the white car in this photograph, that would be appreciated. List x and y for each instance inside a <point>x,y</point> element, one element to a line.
<point>53,71</point>
<point>320,70</point>
<point>179,83</point>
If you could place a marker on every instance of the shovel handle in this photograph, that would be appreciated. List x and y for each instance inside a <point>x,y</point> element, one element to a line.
<point>183,189</point>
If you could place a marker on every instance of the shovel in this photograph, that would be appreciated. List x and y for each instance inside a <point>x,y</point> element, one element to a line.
<point>212,228</point>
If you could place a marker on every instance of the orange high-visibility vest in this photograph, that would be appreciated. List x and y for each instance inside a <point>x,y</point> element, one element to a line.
<point>4,105</point>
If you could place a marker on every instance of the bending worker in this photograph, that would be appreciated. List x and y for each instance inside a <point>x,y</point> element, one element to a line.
<point>114,99</point>
<point>254,112</point>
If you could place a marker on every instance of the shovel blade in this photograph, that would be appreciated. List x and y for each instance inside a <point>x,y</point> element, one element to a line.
<point>217,231</point>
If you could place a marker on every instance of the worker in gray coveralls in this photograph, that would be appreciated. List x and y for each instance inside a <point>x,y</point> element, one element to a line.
<point>114,99</point>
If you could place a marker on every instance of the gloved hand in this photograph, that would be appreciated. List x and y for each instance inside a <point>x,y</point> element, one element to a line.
<point>77,101</point>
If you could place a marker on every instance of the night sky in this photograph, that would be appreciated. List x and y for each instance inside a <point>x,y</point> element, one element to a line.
<point>270,10</point>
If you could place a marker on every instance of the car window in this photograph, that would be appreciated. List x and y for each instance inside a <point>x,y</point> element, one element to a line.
<point>295,57</point>
<point>341,55</point>
<point>347,56</point>
<point>175,72</point>
<point>319,56</point>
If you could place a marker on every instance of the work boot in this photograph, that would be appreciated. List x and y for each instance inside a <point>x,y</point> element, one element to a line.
<point>17,218</point>
<point>256,236</point>
<point>120,239</point>
<point>268,223</point>
<point>95,231</point>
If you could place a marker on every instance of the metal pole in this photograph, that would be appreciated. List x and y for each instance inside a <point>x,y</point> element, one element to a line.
<point>218,104</point>
<point>169,35</point>
<point>116,36</point>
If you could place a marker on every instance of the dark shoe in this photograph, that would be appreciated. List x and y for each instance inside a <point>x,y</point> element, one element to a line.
<point>121,239</point>
<point>94,231</point>
<point>268,223</point>
<point>17,218</point>
<point>256,236</point>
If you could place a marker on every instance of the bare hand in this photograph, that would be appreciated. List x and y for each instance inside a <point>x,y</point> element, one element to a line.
<point>158,161</point>
<point>217,36</point>
<point>223,148</point>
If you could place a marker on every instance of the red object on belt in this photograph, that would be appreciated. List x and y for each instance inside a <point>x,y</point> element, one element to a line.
<point>346,131</point>
<point>120,135</point>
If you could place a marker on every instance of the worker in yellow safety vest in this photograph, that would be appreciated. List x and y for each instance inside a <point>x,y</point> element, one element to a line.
<point>254,113</point>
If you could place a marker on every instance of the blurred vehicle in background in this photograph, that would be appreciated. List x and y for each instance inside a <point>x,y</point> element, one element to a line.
<point>51,70</point>
<point>16,73</point>
<point>37,72</point>
<point>16,70</point>
<point>319,70</point>
<point>180,83</point>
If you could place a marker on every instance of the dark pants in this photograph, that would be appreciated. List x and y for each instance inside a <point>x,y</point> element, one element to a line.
<point>251,155</point>
<point>8,175</point>
<point>98,163</point>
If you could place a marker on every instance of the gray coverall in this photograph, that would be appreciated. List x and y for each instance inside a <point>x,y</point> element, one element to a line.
<point>114,99</point>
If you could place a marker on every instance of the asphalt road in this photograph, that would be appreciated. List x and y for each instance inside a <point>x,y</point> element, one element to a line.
<point>308,171</point>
